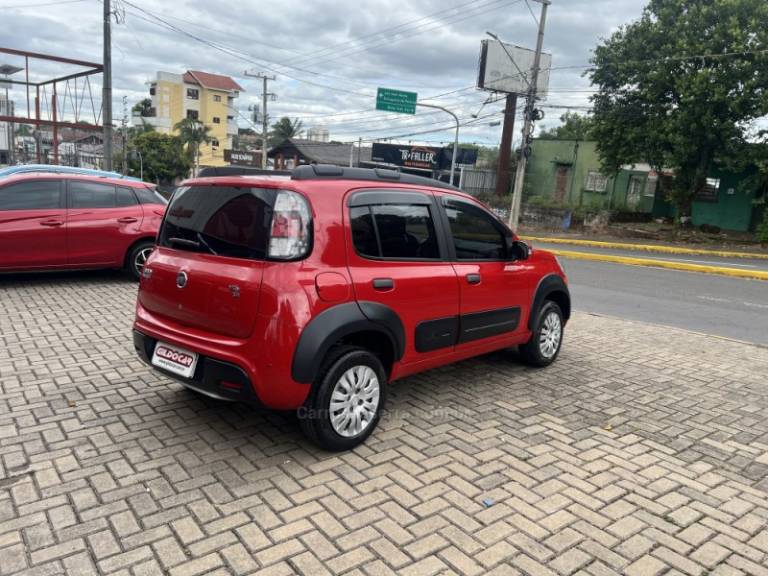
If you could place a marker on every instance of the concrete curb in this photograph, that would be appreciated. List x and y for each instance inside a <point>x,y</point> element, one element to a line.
<point>646,247</point>
<point>685,266</point>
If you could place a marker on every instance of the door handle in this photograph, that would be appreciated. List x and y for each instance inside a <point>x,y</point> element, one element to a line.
<point>52,223</point>
<point>127,220</point>
<point>473,278</point>
<point>383,284</point>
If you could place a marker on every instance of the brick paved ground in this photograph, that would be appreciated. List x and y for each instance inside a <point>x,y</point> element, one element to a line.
<point>643,451</point>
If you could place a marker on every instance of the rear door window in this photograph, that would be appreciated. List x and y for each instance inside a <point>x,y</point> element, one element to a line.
<point>87,195</point>
<point>220,220</point>
<point>125,197</point>
<point>395,231</point>
<point>34,195</point>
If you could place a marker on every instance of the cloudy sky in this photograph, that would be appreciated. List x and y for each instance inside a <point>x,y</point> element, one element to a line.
<point>328,55</point>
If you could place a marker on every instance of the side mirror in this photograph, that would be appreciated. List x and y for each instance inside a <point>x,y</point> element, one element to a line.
<point>519,250</point>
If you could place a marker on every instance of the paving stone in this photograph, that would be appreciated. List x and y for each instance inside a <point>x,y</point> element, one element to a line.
<point>123,472</point>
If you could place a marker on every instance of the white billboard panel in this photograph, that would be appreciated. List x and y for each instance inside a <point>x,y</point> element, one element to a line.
<point>500,73</point>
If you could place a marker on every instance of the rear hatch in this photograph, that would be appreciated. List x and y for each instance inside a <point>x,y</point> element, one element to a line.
<point>212,248</point>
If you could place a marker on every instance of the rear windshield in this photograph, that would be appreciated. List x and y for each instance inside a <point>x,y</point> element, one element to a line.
<point>220,220</point>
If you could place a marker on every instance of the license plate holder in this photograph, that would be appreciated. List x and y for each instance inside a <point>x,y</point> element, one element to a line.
<point>175,359</point>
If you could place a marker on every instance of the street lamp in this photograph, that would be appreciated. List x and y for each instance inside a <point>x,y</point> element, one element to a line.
<point>6,70</point>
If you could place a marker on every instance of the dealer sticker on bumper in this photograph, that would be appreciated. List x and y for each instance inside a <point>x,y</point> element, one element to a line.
<point>174,359</point>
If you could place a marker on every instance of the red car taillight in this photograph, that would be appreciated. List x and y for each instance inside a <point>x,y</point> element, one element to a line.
<point>291,230</point>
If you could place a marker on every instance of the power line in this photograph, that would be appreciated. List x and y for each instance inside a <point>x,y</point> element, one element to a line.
<point>38,5</point>
<point>416,31</point>
<point>335,48</point>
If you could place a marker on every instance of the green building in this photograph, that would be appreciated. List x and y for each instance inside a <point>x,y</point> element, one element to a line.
<point>568,173</point>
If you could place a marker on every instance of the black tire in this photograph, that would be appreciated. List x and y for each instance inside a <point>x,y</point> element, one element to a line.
<point>315,416</point>
<point>132,266</point>
<point>537,351</point>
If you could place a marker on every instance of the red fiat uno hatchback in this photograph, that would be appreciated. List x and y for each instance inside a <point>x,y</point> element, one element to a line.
<point>314,291</point>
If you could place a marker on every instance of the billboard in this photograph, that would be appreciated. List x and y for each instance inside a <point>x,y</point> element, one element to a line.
<point>499,73</point>
<point>240,158</point>
<point>423,157</point>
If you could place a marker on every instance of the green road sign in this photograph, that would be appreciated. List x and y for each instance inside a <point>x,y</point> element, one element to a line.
<point>396,101</point>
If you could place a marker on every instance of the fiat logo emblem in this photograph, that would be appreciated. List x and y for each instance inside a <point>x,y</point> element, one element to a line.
<point>181,279</point>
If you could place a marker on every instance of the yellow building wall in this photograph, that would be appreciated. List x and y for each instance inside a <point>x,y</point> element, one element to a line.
<point>210,109</point>
<point>170,97</point>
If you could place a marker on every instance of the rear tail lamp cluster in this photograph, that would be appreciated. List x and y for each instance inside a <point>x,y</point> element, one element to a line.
<point>291,231</point>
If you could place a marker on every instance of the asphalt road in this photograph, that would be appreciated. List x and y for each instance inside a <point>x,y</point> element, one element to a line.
<point>719,305</point>
<point>701,259</point>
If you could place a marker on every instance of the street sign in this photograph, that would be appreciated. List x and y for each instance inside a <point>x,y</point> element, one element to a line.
<point>400,101</point>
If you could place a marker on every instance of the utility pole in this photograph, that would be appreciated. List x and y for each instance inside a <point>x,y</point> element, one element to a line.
<point>265,95</point>
<point>514,212</point>
<point>505,149</point>
<point>124,126</point>
<point>106,91</point>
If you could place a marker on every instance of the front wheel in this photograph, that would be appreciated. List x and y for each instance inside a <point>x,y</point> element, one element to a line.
<point>547,337</point>
<point>137,257</point>
<point>345,403</point>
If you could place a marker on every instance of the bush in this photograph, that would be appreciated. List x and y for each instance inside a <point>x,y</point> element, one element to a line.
<point>762,229</point>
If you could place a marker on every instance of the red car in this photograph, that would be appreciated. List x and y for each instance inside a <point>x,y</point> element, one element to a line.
<point>314,291</point>
<point>52,221</point>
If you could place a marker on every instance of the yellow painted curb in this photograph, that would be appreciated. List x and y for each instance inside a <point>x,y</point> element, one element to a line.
<point>646,247</point>
<point>734,272</point>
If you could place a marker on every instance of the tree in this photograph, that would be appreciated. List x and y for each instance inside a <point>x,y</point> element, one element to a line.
<point>163,156</point>
<point>143,108</point>
<point>680,87</point>
<point>193,133</point>
<point>573,127</point>
<point>285,128</point>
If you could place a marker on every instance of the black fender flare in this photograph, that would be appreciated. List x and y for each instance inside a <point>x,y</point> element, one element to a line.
<point>336,322</point>
<point>549,285</point>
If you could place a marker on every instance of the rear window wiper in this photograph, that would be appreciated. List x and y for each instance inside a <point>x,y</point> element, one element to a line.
<point>184,242</point>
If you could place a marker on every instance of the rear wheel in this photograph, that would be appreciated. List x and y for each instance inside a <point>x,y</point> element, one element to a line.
<point>137,257</point>
<point>547,337</point>
<point>345,403</point>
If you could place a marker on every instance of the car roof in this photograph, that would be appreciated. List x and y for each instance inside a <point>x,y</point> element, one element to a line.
<point>45,175</point>
<point>54,168</point>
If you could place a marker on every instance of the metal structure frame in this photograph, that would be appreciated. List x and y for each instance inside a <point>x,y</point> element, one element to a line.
<point>49,111</point>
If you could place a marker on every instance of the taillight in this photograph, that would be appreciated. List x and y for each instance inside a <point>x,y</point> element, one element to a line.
<point>291,229</point>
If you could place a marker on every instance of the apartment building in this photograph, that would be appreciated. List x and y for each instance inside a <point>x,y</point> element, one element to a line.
<point>209,98</point>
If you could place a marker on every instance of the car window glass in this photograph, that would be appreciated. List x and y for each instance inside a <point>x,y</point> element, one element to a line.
<point>125,197</point>
<point>476,234</point>
<point>37,195</point>
<point>233,222</point>
<point>363,232</point>
<point>91,195</point>
<point>396,231</point>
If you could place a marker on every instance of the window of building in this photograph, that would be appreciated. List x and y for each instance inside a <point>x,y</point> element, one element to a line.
<point>216,120</point>
<point>194,114</point>
<point>214,143</point>
<point>710,190</point>
<point>193,93</point>
<point>91,195</point>
<point>397,232</point>
<point>216,98</point>
<point>476,234</point>
<point>596,182</point>
<point>39,195</point>
<point>152,89</point>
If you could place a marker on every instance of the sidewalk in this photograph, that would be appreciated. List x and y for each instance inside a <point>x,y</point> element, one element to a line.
<point>753,265</point>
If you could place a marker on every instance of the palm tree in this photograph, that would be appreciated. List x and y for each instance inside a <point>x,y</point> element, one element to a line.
<point>193,133</point>
<point>286,128</point>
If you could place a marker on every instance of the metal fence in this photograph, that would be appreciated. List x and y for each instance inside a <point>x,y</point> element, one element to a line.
<point>475,180</point>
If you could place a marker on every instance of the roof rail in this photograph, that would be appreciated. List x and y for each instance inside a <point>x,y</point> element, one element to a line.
<point>240,171</point>
<point>330,171</point>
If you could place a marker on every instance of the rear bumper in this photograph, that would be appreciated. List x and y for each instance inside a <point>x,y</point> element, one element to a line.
<point>209,376</point>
